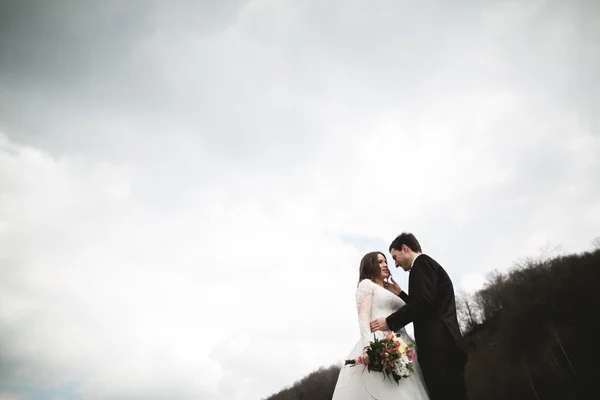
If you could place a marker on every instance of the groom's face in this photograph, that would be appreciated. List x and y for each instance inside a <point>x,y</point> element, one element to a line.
<point>401,258</point>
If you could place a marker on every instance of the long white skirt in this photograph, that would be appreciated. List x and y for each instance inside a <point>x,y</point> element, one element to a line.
<point>357,383</point>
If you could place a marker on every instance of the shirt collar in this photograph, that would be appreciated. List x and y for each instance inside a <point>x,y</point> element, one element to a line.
<point>413,263</point>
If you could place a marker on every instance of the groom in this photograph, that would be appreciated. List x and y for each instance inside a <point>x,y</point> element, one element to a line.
<point>430,305</point>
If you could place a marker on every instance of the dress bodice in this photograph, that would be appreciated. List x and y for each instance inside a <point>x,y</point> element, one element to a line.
<point>374,301</point>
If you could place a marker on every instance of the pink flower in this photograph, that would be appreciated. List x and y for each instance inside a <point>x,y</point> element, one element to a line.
<point>411,354</point>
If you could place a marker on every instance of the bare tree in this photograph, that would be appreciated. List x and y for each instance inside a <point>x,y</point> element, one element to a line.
<point>467,309</point>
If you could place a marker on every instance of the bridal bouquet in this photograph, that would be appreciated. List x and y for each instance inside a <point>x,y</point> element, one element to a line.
<point>389,355</point>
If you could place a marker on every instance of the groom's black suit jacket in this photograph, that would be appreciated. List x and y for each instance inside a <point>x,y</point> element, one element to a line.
<point>431,307</point>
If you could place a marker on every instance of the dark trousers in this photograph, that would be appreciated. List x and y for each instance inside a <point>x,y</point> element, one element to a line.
<point>444,376</point>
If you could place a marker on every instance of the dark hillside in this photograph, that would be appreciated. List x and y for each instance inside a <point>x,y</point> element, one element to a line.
<point>318,385</point>
<point>539,333</point>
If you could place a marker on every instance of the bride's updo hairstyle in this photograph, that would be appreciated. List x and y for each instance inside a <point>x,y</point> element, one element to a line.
<point>369,266</point>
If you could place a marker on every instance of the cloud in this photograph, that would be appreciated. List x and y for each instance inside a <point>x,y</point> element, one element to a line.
<point>471,283</point>
<point>186,191</point>
<point>137,291</point>
<point>5,396</point>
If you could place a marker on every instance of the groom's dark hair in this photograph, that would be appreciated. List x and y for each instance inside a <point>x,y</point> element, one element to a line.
<point>407,239</point>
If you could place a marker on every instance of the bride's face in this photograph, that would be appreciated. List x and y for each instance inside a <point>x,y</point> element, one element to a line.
<point>385,272</point>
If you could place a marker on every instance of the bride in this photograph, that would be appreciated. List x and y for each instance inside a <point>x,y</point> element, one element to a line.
<point>374,299</point>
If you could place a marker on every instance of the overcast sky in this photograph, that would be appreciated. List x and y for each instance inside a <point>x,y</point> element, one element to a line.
<point>187,187</point>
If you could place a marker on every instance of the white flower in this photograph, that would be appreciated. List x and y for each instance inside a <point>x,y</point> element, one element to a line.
<point>402,371</point>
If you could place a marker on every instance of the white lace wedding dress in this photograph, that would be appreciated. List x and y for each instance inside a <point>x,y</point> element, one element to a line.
<point>373,301</point>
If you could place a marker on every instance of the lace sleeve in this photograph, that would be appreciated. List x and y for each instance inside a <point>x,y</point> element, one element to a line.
<point>364,301</point>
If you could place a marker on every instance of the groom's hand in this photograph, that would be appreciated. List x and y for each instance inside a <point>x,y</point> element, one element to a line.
<point>379,324</point>
<point>393,286</point>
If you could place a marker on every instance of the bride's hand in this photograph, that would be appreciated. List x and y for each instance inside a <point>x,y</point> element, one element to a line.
<point>393,286</point>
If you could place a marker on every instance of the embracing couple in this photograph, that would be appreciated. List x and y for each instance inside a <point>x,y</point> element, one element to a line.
<point>383,307</point>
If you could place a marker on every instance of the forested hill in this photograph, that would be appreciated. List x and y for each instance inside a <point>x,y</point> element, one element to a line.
<point>532,333</point>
